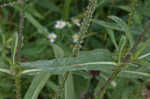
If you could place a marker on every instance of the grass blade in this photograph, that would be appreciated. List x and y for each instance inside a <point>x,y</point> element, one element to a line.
<point>37,84</point>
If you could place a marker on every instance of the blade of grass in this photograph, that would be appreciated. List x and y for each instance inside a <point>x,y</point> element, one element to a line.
<point>37,84</point>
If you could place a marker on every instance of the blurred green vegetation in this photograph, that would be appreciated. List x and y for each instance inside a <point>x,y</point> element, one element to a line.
<point>115,27</point>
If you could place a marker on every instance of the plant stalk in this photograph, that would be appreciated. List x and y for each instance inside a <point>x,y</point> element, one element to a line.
<point>83,30</point>
<point>20,30</point>
<point>18,86</point>
<point>18,50</point>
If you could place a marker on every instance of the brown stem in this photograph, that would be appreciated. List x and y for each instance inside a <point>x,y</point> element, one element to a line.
<point>20,30</point>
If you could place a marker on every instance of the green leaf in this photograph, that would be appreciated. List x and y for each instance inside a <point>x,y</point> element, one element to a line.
<point>58,51</point>
<point>79,83</point>
<point>48,4</point>
<point>37,84</point>
<point>122,44</point>
<point>15,43</point>
<point>112,36</point>
<point>69,88</point>
<point>125,27</point>
<point>101,3</point>
<point>118,25</point>
<point>125,8</point>
<point>89,60</point>
<point>142,47</point>
<point>134,74</point>
<point>35,23</point>
<point>52,86</point>
<point>108,25</point>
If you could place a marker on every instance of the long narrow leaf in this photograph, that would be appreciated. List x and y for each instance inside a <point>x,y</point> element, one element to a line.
<point>37,85</point>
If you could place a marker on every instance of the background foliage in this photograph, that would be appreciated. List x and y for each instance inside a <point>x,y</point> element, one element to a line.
<point>115,27</point>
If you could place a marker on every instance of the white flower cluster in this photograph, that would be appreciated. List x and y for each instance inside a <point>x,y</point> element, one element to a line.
<point>60,25</point>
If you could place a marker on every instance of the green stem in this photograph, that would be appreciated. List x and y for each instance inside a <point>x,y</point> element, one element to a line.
<point>85,25</point>
<point>18,86</point>
<point>18,50</point>
<point>83,30</point>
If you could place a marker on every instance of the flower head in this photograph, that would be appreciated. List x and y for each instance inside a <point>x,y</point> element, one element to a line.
<point>76,21</point>
<point>60,24</point>
<point>52,37</point>
<point>75,38</point>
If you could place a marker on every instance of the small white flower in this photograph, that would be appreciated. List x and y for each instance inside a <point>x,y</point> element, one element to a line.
<point>52,37</point>
<point>60,24</point>
<point>75,38</point>
<point>76,21</point>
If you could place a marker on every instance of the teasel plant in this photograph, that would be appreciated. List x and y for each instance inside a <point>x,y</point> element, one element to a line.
<point>83,30</point>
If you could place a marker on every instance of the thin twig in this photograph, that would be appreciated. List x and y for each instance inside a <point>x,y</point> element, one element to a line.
<point>125,60</point>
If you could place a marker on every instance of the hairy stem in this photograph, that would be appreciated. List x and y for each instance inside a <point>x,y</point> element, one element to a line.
<point>125,60</point>
<point>18,86</point>
<point>84,28</point>
<point>85,25</point>
<point>18,50</point>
